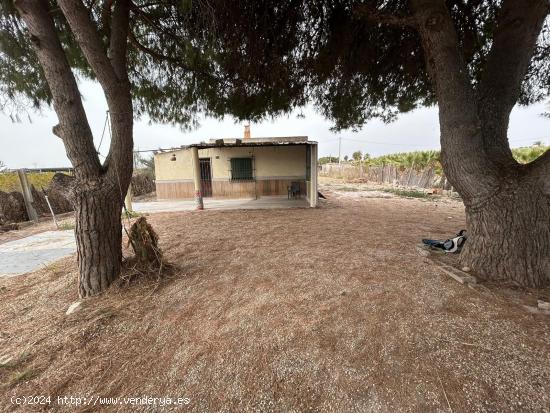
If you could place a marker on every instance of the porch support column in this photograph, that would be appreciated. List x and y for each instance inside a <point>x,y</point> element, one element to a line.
<point>313,176</point>
<point>128,198</point>
<point>197,177</point>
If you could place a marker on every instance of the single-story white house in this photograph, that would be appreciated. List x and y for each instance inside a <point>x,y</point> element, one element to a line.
<point>239,168</point>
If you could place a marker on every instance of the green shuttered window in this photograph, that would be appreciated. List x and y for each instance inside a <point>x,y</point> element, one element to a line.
<point>241,169</point>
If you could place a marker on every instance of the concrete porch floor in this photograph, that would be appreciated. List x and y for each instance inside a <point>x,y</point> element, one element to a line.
<point>268,202</point>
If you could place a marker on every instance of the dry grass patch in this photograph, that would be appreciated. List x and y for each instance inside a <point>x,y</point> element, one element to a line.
<point>329,309</point>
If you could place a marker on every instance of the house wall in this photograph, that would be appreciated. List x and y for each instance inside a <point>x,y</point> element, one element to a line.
<point>275,167</point>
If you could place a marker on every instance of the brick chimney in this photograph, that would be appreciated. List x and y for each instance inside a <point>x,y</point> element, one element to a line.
<point>247,131</point>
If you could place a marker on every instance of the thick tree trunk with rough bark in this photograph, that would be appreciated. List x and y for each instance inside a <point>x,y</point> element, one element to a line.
<point>100,188</point>
<point>507,206</point>
<point>509,235</point>
<point>98,237</point>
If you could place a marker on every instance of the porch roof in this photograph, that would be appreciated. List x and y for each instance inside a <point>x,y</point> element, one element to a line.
<point>252,142</point>
<point>268,141</point>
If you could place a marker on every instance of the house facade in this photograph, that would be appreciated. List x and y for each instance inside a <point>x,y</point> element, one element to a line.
<point>233,168</point>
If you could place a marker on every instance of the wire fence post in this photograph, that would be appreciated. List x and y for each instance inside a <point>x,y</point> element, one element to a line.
<point>128,198</point>
<point>27,195</point>
<point>51,209</point>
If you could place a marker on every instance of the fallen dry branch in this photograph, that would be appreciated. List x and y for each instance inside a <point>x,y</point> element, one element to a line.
<point>9,227</point>
<point>144,241</point>
<point>148,257</point>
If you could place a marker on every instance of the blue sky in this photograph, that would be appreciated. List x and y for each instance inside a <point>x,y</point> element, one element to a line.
<point>31,144</point>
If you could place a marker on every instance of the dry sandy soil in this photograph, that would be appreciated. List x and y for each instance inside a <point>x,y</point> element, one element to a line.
<point>330,309</point>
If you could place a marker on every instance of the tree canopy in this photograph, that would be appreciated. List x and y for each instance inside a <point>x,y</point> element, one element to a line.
<point>159,60</point>
<point>356,60</point>
<point>179,64</point>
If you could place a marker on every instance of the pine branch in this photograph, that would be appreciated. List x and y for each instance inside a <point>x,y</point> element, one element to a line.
<point>519,24</point>
<point>370,13</point>
<point>90,43</point>
<point>73,126</point>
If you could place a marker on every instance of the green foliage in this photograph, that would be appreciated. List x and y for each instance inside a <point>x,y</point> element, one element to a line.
<point>327,159</point>
<point>131,214</point>
<point>257,59</point>
<point>65,226</point>
<point>9,181</point>
<point>423,159</point>
<point>22,84</point>
<point>177,68</point>
<point>353,69</point>
<point>530,153</point>
<point>185,59</point>
<point>417,159</point>
<point>357,156</point>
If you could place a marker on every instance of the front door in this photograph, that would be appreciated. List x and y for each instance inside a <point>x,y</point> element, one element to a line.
<point>206,177</point>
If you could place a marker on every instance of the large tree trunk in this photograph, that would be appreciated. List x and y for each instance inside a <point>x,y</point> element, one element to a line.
<point>98,209</point>
<point>508,213</point>
<point>99,238</point>
<point>509,236</point>
<point>100,188</point>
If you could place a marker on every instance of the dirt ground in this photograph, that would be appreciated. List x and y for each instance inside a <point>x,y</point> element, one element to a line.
<point>327,309</point>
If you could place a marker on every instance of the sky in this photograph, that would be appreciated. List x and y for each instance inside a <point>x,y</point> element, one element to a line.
<point>31,144</point>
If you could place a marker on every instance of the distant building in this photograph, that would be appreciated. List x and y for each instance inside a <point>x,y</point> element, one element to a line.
<point>239,168</point>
